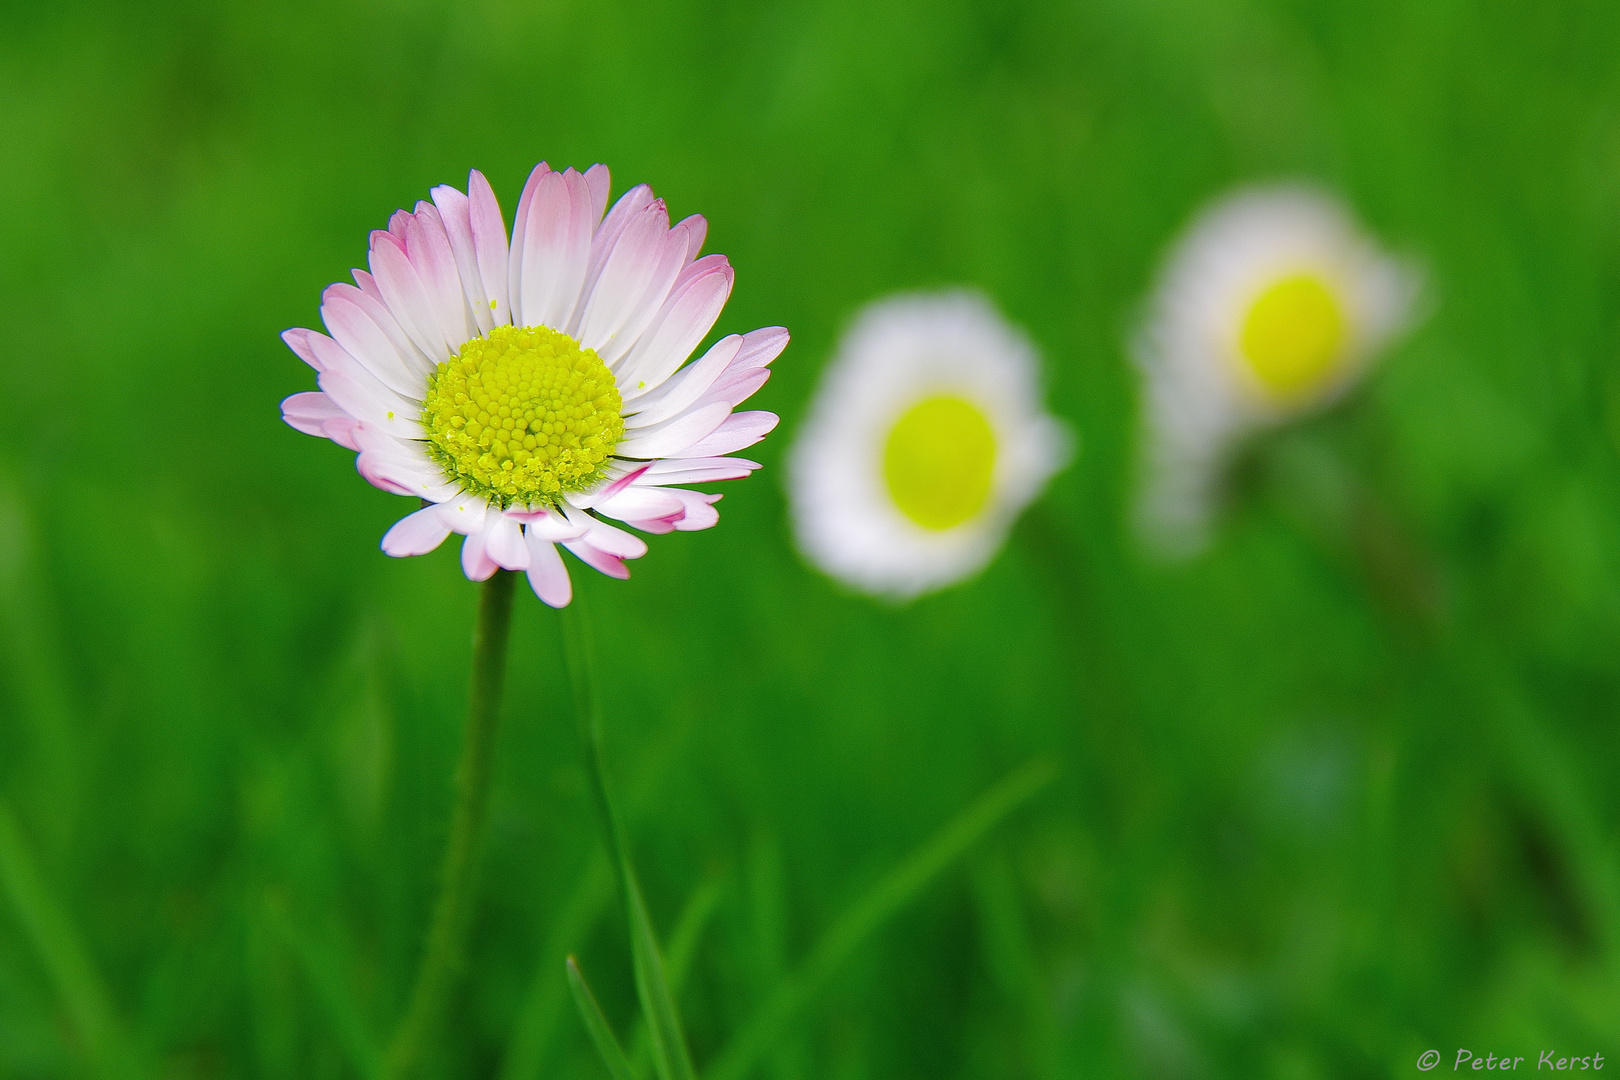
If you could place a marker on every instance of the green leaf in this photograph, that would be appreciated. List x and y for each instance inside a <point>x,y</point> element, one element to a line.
<point>887,896</point>
<point>601,1033</point>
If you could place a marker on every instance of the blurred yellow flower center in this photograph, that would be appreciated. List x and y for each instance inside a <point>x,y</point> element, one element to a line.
<point>1294,335</point>
<point>522,416</point>
<point>938,461</point>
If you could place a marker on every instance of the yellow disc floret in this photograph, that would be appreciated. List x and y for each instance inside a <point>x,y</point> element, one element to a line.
<point>938,461</point>
<point>1294,336</point>
<point>522,416</point>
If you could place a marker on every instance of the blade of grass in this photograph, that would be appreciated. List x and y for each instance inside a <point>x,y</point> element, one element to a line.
<point>601,1033</point>
<point>66,962</point>
<point>652,984</point>
<point>332,990</point>
<point>537,1023</point>
<point>888,895</point>
<point>683,942</point>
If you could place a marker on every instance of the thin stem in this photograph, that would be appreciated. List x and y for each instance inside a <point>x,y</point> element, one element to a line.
<point>443,956</point>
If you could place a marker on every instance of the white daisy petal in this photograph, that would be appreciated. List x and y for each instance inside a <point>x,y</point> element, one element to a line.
<point>634,281</point>
<point>489,245</point>
<point>697,230</point>
<point>428,246</point>
<point>475,560</point>
<point>597,559</point>
<point>607,234</point>
<point>924,442</point>
<point>684,387</point>
<point>520,229</point>
<point>554,247</point>
<point>686,318</point>
<point>504,543</point>
<point>674,436</point>
<point>363,339</point>
<point>696,470</point>
<point>700,512</point>
<point>600,184</point>
<point>547,574</point>
<point>739,432</point>
<point>406,297</point>
<point>308,411</point>
<point>416,534</point>
<point>456,214</point>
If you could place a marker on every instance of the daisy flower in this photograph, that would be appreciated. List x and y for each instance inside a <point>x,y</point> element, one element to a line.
<point>1270,307</point>
<point>925,441</point>
<point>527,390</point>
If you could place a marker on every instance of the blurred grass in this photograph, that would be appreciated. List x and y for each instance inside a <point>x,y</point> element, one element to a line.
<point>1334,794</point>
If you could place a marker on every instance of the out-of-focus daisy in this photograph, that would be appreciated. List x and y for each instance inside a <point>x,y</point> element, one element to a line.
<point>925,440</point>
<point>527,390</point>
<point>1271,306</point>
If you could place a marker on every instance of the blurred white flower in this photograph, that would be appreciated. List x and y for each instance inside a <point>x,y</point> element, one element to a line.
<point>1271,306</point>
<point>923,444</point>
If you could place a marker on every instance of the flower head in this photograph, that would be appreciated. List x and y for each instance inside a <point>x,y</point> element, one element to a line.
<point>1270,307</point>
<point>924,442</point>
<point>527,389</point>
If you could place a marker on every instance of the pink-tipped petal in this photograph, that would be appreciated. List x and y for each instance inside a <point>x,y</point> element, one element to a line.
<point>455,212</point>
<point>428,247</point>
<point>489,245</point>
<point>740,431</point>
<point>368,285</point>
<point>614,541</point>
<point>415,534</point>
<point>612,227</point>
<point>343,431</point>
<point>685,320</point>
<point>738,388</point>
<point>548,577</point>
<point>760,347</point>
<point>363,339</point>
<point>552,527</point>
<point>697,470</point>
<point>600,184</point>
<point>403,475</point>
<point>475,561</point>
<point>599,560</point>
<point>641,504</point>
<point>672,437</point>
<point>407,299</point>
<point>309,411</point>
<point>684,387</point>
<point>697,230</point>
<point>504,543</point>
<point>520,228</point>
<point>634,282</point>
<point>700,512</point>
<point>297,340</point>
<point>555,247</point>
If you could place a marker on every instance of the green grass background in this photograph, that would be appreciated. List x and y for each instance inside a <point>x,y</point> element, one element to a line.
<point>1340,791</point>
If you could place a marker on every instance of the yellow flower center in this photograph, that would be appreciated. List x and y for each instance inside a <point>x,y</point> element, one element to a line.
<point>522,416</point>
<point>939,460</point>
<point>1294,335</point>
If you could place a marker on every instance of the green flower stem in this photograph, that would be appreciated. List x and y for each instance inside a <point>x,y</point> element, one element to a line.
<point>443,956</point>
